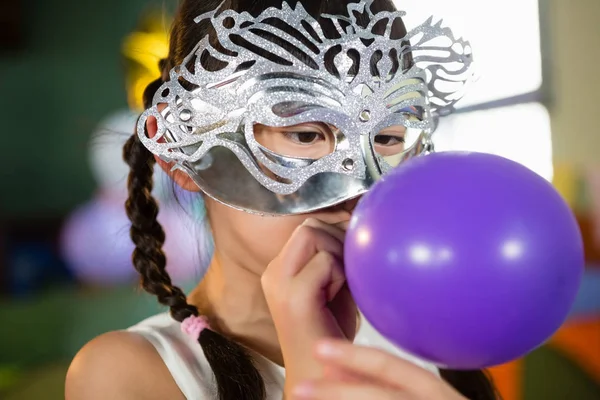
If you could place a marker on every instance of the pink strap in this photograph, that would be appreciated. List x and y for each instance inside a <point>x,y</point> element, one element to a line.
<point>194,325</point>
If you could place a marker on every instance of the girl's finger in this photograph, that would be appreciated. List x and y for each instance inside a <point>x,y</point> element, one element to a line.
<point>338,231</point>
<point>376,365</point>
<point>334,374</point>
<point>324,390</point>
<point>323,274</point>
<point>307,241</point>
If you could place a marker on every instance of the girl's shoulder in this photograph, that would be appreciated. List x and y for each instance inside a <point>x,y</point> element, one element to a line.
<point>182,356</point>
<point>185,359</point>
<point>114,362</point>
<point>116,365</point>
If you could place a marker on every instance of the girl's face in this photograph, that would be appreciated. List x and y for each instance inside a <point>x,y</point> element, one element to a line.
<point>254,240</point>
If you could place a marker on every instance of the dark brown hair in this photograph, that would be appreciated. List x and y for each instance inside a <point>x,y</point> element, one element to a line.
<point>235,374</point>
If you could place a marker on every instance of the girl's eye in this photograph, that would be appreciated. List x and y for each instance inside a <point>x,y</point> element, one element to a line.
<point>388,140</point>
<point>304,137</point>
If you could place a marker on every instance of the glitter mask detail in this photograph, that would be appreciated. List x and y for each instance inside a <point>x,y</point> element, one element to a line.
<point>207,127</point>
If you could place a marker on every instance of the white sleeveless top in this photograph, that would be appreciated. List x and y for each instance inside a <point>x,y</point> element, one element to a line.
<point>185,359</point>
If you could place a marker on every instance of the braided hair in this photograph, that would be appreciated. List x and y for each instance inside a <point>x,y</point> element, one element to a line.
<point>235,375</point>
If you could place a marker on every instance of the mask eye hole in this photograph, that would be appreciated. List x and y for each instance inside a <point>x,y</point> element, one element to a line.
<point>312,140</point>
<point>393,142</point>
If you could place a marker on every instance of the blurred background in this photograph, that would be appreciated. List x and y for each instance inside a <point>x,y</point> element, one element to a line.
<point>71,75</point>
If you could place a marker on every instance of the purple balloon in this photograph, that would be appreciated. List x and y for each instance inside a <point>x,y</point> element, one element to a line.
<point>95,243</point>
<point>466,260</point>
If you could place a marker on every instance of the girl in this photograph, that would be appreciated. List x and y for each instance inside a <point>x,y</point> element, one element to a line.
<point>281,113</point>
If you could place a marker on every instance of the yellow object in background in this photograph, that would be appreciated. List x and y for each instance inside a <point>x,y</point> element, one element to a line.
<point>146,48</point>
<point>143,50</point>
<point>566,181</point>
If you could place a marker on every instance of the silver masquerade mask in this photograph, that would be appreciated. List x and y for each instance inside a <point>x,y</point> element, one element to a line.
<point>280,70</point>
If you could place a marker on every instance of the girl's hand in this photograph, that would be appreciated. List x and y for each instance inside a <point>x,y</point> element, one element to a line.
<point>306,292</point>
<point>358,373</point>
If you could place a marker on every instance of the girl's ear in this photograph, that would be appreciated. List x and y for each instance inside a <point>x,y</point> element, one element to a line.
<point>180,177</point>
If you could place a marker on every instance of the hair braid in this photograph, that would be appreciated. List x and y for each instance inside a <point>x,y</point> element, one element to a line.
<point>147,234</point>
<point>235,374</point>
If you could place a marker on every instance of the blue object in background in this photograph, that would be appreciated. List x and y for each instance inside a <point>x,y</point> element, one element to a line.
<point>32,266</point>
<point>588,298</point>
